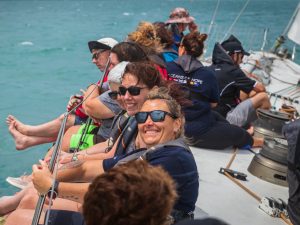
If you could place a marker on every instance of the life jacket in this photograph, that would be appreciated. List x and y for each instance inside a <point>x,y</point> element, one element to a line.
<point>127,138</point>
<point>118,125</point>
<point>143,153</point>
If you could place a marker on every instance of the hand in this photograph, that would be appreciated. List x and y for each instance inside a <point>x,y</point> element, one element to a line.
<point>193,27</point>
<point>41,177</point>
<point>70,158</point>
<point>74,101</point>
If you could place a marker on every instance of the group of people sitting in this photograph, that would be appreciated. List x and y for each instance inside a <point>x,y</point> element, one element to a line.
<point>156,100</point>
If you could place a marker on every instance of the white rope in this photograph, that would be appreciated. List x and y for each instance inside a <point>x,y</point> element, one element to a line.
<point>213,18</point>
<point>236,19</point>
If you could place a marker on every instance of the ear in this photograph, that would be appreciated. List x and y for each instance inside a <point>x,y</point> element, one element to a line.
<point>177,125</point>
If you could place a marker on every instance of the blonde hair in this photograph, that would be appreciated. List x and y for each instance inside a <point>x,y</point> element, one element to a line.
<point>145,35</point>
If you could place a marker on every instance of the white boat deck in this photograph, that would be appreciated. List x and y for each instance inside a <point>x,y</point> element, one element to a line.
<point>221,198</point>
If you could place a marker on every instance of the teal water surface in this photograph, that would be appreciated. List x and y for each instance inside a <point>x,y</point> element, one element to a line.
<point>44,56</point>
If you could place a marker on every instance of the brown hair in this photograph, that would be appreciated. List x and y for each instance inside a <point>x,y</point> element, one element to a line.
<point>133,193</point>
<point>129,51</point>
<point>194,43</point>
<point>165,35</point>
<point>145,73</point>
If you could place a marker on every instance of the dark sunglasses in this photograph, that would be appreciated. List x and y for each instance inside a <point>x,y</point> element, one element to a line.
<point>113,95</point>
<point>133,90</point>
<point>96,54</point>
<point>156,116</point>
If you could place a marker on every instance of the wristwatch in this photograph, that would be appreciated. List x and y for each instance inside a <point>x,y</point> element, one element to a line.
<point>55,190</point>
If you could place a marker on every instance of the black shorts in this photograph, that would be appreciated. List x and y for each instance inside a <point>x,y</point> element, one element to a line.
<point>59,217</point>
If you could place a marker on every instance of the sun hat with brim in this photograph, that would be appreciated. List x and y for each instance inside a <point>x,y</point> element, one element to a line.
<point>233,45</point>
<point>103,43</point>
<point>180,15</point>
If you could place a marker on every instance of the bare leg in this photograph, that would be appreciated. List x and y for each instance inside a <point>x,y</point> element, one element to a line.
<point>23,141</point>
<point>261,100</point>
<point>49,129</point>
<point>12,202</point>
<point>22,216</point>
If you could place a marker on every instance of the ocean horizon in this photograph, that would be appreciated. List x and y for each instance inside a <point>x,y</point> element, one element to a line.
<point>45,58</point>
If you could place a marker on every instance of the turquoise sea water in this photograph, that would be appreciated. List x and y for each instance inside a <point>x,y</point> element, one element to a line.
<point>44,56</point>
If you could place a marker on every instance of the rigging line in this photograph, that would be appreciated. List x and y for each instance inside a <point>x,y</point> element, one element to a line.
<point>56,152</point>
<point>90,120</point>
<point>213,18</point>
<point>41,200</point>
<point>54,175</point>
<point>236,19</point>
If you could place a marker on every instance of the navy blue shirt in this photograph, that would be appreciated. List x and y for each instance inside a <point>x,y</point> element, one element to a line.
<point>181,166</point>
<point>203,87</point>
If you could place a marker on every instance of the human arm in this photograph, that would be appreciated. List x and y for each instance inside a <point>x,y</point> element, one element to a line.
<point>101,107</point>
<point>95,152</point>
<point>43,179</point>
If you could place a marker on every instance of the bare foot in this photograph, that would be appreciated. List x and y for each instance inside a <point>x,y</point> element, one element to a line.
<point>19,126</point>
<point>20,139</point>
<point>258,142</point>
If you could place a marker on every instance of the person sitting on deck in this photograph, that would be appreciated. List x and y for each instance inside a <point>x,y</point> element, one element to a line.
<point>27,135</point>
<point>178,21</point>
<point>160,128</point>
<point>166,40</point>
<point>204,128</point>
<point>240,96</point>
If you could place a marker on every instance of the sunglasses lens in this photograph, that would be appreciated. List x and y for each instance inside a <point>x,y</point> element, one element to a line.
<point>134,91</point>
<point>95,55</point>
<point>141,117</point>
<point>158,116</point>
<point>122,90</point>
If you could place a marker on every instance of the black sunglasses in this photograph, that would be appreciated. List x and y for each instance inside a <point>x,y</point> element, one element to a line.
<point>113,95</point>
<point>156,116</point>
<point>96,54</point>
<point>133,90</point>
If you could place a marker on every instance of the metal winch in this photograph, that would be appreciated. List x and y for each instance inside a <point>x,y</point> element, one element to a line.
<point>270,164</point>
<point>270,123</point>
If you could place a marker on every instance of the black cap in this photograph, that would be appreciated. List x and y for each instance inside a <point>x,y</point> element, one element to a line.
<point>233,45</point>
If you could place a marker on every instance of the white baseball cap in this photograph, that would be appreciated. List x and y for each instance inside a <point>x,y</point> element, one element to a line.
<point>103,43</point>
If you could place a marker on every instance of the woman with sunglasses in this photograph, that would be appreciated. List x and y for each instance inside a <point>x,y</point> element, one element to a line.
<point>203,126</point>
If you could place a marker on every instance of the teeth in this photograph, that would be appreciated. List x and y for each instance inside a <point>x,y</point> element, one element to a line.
<point>150,132</point>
